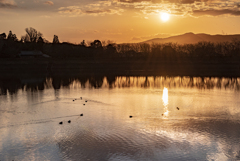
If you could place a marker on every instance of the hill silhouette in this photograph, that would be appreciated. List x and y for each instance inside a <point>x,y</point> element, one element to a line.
<point>191,38</point>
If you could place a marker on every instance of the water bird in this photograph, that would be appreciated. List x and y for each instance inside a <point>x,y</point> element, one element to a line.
<point>81,114</point>
<point>177,108</point>
<point>130,116</point>
<point>84,104</point>
<point>61,122</point>
<point>69,121</point>
<point>85,101</point>
<point>73,100</point>
<point>80,97</point>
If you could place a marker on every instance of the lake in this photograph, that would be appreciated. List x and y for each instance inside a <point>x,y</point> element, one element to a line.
<point>173,118</point>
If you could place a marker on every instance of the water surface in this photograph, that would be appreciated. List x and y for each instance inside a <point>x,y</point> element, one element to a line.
<point>206,126</point>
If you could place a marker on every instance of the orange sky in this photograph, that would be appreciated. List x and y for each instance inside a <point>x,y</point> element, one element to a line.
<point>118,20</point>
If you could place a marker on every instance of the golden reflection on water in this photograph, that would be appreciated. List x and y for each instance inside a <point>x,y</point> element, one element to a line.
<point>203,128</point>
<point>165,102</point>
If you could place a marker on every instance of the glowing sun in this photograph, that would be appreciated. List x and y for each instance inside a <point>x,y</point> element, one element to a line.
<point>164,16</point>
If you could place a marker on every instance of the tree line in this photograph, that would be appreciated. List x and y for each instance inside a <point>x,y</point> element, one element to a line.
<point>10,46</point>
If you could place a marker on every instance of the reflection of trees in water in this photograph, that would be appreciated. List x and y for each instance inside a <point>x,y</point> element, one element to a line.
<point>177,82</point>
<point>146,83</point>
<point>34,87</point>
<point>96,82</point>
<point>13,85</point>
<point>83,80</point>
<point>9,85</point>
<point>56,82</point>
<point>111,81</point>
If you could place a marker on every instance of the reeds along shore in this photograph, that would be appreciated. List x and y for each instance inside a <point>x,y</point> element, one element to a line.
<point>169,51</point>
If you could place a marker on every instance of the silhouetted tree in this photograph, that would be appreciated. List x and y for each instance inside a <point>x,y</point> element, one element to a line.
<point>25,38</point>
<point>40,43</point>
<point>96,44</point>
<point>12,36</point>
<point>3,36</point>
<point>83,43</point>
<point>55,39</point>
<point>32,35</point>
<point>40,40</point>
<point>111,49</point>
<point>168,51</point>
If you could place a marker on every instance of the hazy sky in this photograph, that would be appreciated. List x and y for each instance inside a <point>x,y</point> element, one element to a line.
<point>118,20</point>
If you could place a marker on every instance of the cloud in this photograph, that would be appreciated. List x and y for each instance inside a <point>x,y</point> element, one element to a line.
<point>134,1</point>
<point>162,1</point>
<point>78,11</point>
<point>50,3</point>
<point>142,8</point>
<point>99,8</point>
<point>183,7</point>
<point>7,4</point>
<point>213,12</point>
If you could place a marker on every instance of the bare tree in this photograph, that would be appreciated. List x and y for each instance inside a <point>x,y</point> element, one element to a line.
<point>25,38</point>
<point>32,35</point>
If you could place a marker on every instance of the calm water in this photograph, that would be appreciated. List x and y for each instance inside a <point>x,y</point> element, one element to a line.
<point>206,126</point>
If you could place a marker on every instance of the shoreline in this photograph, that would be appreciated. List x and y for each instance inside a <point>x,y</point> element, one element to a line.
<point>124,67</point>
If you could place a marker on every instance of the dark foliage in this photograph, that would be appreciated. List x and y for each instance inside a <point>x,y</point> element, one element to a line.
<point>33,40</point>
<point>12,36</point>
<point>55,39</point>
<point>3,36</point>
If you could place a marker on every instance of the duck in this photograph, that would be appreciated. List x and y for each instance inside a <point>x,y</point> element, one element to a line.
<point>177,108</point>
<point>69,121</point>
<point>81,114</point>
<point>130,116</point>
<point>85,101</point>
<point>84,104</point>
<point>61,123</point>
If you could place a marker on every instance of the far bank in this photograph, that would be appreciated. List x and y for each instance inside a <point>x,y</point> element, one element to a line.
<point>43,67</point>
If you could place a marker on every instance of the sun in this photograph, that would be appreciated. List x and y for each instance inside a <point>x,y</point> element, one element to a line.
<point>164,16</point>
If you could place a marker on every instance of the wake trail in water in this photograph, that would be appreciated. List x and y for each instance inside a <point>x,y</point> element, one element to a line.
<point>39,121</point>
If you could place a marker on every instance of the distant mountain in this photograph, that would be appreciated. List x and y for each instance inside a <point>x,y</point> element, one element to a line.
<point>191,38</point>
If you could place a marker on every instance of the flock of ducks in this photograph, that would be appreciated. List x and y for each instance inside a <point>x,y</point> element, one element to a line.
<point>69,121</point>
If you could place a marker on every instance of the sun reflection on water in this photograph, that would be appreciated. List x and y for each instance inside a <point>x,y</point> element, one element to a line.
<point>165,102</point>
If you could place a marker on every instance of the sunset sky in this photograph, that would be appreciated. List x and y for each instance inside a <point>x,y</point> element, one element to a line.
<point>118,20</point>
